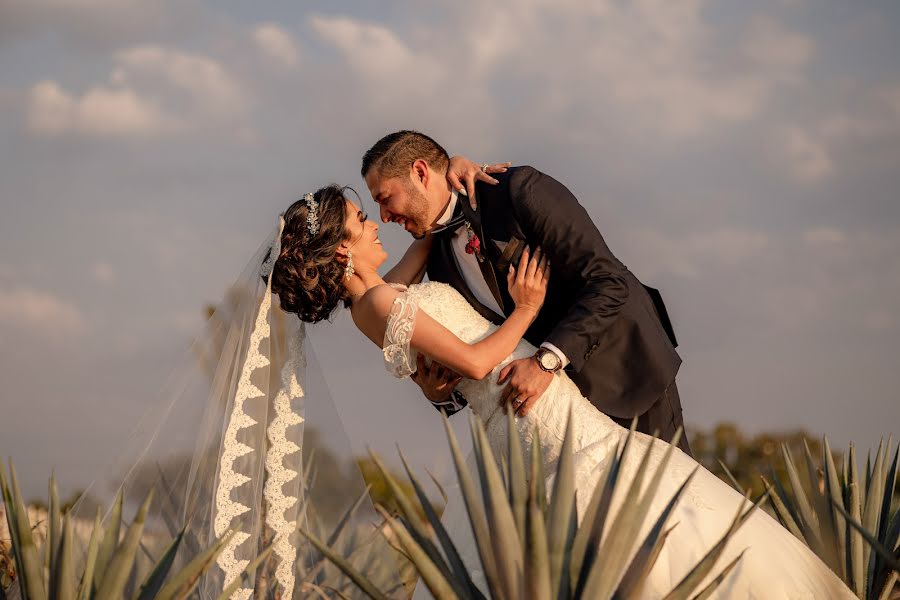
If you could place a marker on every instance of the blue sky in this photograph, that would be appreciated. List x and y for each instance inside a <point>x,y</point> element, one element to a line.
<point>741,157</point>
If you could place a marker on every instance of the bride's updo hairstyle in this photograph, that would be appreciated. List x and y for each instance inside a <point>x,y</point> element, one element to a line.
<point>308,274</point>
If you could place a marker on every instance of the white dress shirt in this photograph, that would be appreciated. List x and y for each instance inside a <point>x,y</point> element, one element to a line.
<point>471,272</point>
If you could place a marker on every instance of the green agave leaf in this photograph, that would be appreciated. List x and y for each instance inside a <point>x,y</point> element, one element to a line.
<point>835,494</point>
<point>344,565</point>
<point>649,550</point>
<point>62,577</point>
<point>589,538</point>
<point>116,576</point>
<point>561,516</point>
<point>87,577</point>
<point>12,527</point>
<point>437,584</point>
<point>182,583</point>
<point>857,578</point>
<point>537,559</point>
<point>890,483</point>
<point>454,560</point>
<point>111,537</point>
<point>785,501</point>
<point>826,534</point>
<point>30,566</point>
<point>631,517</point>
<point>590,533</point>
<point>888,589</point>
<point>731,479</point>
<point>414,527</point>
<point>477,518</point>
<point>537,472</point>
<point>808,522</point>
<point>684,588</point>
<point>872,512</point>
<point>246,576</point>
<point>717,581</point>
<point>54,521</point>
<point>892,559</point>
<point>854,477</point>
<point>333,537</point>
<point>154,581</point>
<point>505,540</point>
<point>518,488</point>
<point>782,511</point>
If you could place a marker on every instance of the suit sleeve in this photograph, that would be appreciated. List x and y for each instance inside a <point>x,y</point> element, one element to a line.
<point>552,217</point>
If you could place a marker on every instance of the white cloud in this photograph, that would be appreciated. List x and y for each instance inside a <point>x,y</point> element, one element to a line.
<point>152,91</point>
<point>276,44</point>
<point>32,310</point>
<point>102,111</point>
<point>650,65</point>
<point>771,45</point>
<point>806,158</point>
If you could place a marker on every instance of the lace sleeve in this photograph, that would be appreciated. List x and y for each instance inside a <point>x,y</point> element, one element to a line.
<point>398,356</point>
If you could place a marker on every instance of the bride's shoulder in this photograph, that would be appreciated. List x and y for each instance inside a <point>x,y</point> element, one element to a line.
<point>376,302</point>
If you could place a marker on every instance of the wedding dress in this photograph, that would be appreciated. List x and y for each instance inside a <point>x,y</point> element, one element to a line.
<point>775,564</point>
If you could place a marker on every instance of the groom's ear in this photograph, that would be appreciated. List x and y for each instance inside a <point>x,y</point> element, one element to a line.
<point>420,172</point>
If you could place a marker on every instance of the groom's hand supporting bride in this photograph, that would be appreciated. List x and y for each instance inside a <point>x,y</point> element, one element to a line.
<point>437,381</point>
<point>527,382</point>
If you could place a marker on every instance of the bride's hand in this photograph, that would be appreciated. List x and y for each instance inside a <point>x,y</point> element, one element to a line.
<point>462,169</point>
<point>528,284</point>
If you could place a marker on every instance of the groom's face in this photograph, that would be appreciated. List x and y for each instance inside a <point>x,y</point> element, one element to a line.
<point>401,201</point>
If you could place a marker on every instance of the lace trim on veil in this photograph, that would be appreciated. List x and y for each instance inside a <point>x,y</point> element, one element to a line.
<point>279,475</point>
<point>398,359</point>
<point>226,508</point>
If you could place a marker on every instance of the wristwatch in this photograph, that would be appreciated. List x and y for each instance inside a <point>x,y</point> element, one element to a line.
<point>548,360</point>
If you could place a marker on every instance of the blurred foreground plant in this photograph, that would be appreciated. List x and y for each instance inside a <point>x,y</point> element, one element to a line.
<point>530,545</point>
<point>55,570</point>
<point>849,521</point>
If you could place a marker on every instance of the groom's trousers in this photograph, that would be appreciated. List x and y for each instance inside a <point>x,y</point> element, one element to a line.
<point>663,417</point>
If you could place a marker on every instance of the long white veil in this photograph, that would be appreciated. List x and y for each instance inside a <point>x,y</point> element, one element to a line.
<point>247,439</point>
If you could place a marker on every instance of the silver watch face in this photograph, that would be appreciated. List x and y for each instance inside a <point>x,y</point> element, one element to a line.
<point>549,360</point>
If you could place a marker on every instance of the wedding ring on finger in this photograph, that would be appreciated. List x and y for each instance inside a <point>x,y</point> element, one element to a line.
<point>517,403</point>
<point>484,167</point>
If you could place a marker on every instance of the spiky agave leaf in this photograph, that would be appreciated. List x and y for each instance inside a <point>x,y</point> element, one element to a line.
<point>454,560</point>
<point>87,577</point>
<point>116,576</point>
<point>28,562</point>
<point>474,509</point>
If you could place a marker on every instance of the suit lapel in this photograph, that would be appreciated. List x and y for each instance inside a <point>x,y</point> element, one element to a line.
<point>486,265</point>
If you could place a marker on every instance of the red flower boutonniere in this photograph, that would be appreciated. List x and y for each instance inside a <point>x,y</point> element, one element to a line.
<point>473,246</point>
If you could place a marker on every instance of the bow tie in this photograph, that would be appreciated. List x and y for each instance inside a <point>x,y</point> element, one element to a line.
<point>456,221</point>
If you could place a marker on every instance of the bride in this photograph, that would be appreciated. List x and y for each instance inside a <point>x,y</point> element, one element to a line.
<point>330,254</point>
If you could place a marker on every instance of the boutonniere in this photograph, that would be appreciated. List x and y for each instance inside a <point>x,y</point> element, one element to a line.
<point>473,246</point>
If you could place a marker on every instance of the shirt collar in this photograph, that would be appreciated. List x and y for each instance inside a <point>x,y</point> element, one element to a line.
<point>454,198</point>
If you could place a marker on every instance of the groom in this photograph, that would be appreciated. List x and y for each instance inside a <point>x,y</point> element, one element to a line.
<point>607,330</point>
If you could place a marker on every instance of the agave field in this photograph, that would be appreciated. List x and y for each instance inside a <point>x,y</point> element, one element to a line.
<point>531,543</point>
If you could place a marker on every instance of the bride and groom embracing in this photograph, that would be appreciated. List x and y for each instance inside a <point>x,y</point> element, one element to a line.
<point>525,307</point>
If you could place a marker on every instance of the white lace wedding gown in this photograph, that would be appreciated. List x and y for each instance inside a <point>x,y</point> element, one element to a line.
<point>775,565</point>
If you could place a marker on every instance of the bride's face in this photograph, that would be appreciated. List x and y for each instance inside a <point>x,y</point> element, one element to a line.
<point>362,238</point>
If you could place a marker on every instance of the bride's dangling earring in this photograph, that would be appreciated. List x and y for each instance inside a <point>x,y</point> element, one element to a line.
<point>348,269</point>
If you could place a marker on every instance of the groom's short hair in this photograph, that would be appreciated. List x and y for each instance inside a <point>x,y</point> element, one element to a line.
<point>394,154</point>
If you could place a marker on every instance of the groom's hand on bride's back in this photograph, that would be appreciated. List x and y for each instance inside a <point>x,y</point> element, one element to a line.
<point>436,380</point>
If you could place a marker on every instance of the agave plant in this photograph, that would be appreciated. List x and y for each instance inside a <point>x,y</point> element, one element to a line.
<point>108,567</point>
<point>848,521</point>
<point>530,545</point>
